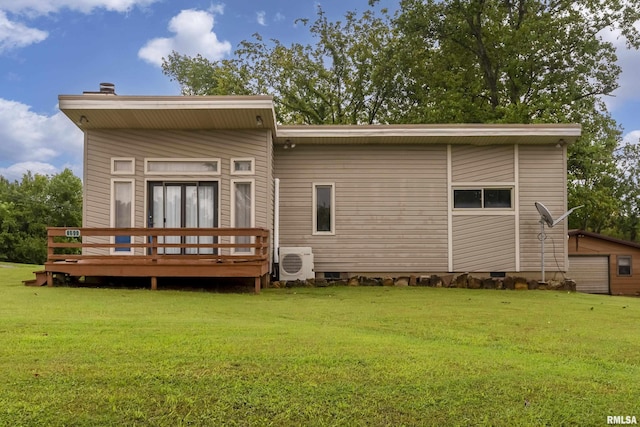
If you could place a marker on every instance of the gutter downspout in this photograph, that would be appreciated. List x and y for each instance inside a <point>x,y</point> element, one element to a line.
<point>276,226</point>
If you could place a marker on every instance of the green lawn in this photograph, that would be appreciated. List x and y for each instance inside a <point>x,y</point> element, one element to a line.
<point>326,356</point>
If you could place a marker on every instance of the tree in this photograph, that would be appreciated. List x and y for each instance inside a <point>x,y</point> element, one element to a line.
<point>593,175</point>
<point>199,76</point>
<point>628,157</point>
<point>64,198</point>
<point>348,77</point>
<point>507,61</point>
<point>29,206</point>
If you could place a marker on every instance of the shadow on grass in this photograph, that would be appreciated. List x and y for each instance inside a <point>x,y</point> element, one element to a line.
<point>195,284</point>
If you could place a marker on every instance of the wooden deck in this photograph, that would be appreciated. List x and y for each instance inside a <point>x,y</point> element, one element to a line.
<point>159,252</point>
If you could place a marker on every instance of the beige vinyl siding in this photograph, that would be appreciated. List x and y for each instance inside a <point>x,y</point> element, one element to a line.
<point>391,206</point>
<point>489,163</point>
<point>484,243</point>
<point>542,178</point>
<point>102,145</point>
<point>481,242</point>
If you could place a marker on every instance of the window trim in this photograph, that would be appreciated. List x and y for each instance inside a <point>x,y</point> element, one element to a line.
<point>232,161</point>
<point>123,159</point>
<point>215,160</point>
<point>620,257</point>
<point>232,200</point>
<point>112,213</point>
<point>314,209</point>
<point>482,189</point>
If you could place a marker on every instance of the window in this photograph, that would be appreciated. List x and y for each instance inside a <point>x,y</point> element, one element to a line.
<point>242,211</point>
<point>182,166</point>
<point>323,208</point>
<point>243,166</point>
<point>467,198</point>
<point>488,198</point>
<point>122,211</point>
<point>624,265</point>
<point>123,165</point>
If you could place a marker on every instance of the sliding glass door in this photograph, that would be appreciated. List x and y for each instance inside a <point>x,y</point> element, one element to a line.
<point>180,205</point>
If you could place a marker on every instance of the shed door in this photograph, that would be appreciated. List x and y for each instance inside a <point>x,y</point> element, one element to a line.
<point>591,273</point>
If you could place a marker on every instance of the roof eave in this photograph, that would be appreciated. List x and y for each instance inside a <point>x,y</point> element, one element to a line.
<point>110,111</point>
<point>99,111</point>
<point>563,134</point>
<point>116,102</point>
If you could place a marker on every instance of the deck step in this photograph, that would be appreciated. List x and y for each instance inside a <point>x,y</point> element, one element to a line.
<point>40,280</point>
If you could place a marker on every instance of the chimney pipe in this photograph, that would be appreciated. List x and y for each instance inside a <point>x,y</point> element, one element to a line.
<point>108,88</point>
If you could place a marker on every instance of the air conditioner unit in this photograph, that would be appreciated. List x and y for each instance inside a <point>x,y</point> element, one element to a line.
<point>296,263</point>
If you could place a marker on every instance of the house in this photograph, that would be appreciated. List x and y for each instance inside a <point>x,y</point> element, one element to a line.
<point>603,264</point>
<point>350,200</point>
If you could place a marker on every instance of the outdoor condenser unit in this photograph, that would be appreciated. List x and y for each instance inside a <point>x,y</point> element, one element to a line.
<point>296,263</point>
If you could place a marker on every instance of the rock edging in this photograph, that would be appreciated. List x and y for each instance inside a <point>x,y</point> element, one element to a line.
<point>462,281</point>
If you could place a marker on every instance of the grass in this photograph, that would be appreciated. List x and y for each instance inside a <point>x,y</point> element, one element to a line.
<point>327,356</point>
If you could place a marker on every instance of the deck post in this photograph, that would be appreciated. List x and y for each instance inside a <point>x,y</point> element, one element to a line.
<point>257,283</point>
<point>154,248</point>
<point>265,281</point>
<point>154,283</point>
<point>49,278</point>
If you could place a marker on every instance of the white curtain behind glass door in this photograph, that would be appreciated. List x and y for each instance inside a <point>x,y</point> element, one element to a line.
<point>191,215</point>
<point>173,219</point>
<point>206,214</point>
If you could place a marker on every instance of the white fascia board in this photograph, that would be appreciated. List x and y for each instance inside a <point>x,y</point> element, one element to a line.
<point>161,103</point>
<point>430,131</point>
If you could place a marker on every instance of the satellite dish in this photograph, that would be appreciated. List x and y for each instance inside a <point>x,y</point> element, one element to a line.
<point>546,216</point>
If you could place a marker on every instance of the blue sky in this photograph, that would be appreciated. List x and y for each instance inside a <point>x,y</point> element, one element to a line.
<point>52,47</point>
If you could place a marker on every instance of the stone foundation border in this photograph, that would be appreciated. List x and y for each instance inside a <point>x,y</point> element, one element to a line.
<point>461,281</point>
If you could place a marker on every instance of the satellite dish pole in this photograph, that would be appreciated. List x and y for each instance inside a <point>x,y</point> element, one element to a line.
<point>547,218</point>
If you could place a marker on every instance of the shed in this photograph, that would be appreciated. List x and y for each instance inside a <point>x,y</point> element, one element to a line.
<point>603,264</point>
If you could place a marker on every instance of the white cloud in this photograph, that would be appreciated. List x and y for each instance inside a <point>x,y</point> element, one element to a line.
<point>629,61</point>
<point>17,170</point>
<point>194,35</point>
<point>15,35</point>
<point>217,9</point>
<point>279,17</point>
<point>261,18</point>
<point>44,7</point>
<point>632,137</point>
<point>37,141</point>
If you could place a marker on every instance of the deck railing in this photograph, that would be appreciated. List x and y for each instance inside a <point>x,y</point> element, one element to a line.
<point>249,244</point>
<point>159,252</point>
